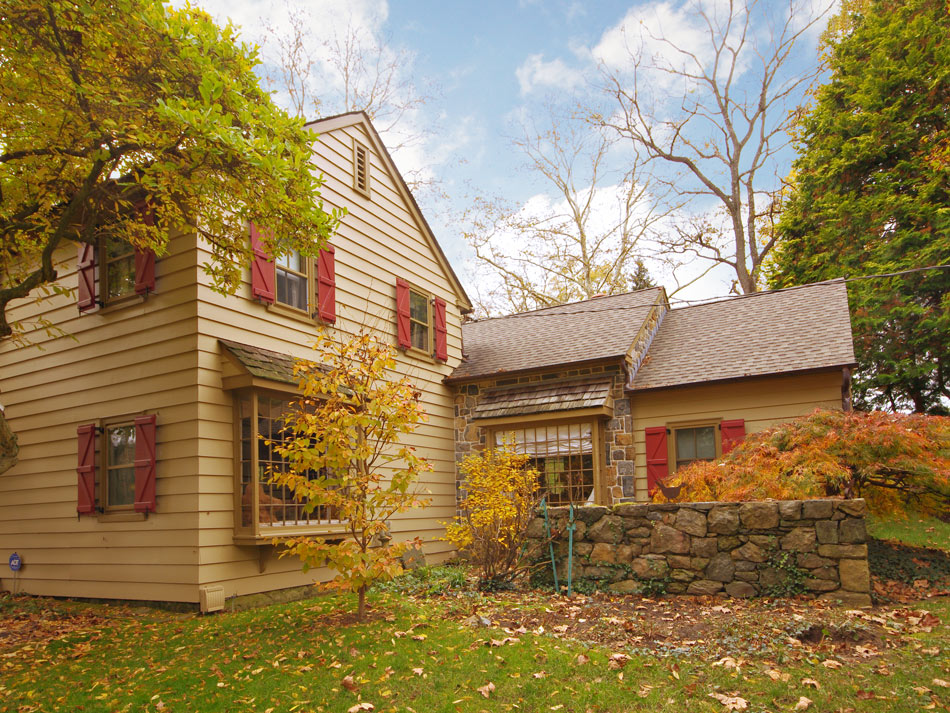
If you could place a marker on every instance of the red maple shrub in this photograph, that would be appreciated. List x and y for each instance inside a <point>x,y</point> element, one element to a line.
<point>897,462</point>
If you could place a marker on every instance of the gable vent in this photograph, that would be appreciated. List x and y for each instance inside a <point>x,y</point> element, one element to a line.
<point>361,168</point>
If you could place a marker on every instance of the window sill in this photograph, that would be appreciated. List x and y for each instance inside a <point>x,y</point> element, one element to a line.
<point>121,516</point>
<point>120,303</point>
<point>420,354</point>
<point>293,313</point>
<point>269,534</point>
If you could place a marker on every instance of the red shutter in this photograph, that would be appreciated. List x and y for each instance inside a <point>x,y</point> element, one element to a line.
<point>441,346</point>
<point>145,463</point>
<point>402,314</point>
<point>733,433</point>
<point>326,284</point>
<point>657,456</point>
<point>144,271</point>
<point>86,271</point>
<point>262,270</point>
<point>86,468</point>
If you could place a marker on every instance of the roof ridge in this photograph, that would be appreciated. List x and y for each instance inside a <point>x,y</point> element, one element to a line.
<point>761,293</point>
<point>564,304</point>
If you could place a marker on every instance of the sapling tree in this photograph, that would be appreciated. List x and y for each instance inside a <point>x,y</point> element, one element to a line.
<point>345,455</point>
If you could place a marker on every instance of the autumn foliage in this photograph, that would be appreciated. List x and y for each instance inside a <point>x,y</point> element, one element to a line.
<point>501,496</point>
<point>348,426</point>
<point>897,462</point>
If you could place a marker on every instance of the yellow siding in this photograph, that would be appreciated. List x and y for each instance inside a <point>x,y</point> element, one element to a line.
<point>118,361</point>
<point>162,355</point>
<point>761,402</point>
<point>379,240</point>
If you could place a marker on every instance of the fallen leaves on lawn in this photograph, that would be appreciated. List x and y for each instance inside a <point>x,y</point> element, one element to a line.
<point>348,683</point>
<point>361,706</point>
<point>940,682</point>
<point>617,661</point>
<point>487,689</point>
<point>803,703</point>
<point>731,703</point>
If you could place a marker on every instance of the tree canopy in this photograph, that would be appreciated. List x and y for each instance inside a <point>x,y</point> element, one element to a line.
<point>870,195</point>
<point>898,462</point>
<point>106,106</point>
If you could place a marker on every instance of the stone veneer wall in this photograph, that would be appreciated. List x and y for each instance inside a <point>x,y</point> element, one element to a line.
<point>617,432</point>
<point>718,548</point>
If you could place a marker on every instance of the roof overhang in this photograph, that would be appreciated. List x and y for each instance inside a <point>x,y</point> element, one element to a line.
<point>735,379</point>
<point>590,395</point>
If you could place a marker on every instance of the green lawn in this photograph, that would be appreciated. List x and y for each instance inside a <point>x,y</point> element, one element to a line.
<point>913,530</point>
<point>417,655</point>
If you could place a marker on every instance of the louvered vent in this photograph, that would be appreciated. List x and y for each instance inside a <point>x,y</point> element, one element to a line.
<point>361,168</point>
<point>211,598</point>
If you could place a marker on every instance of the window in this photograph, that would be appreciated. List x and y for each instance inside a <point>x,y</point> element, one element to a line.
<point>293,281</point>
<point>419,320</point>
<point>264,507</point>
<point>118,269</point>
<point>118,482</point>
<point>360,168</point>
<point>305,285</point>
<point>563,455</point>
<point>117,465</point>
<point>694,444</point>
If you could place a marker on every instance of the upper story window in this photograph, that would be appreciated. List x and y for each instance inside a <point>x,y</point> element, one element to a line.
<point>361,164</point>
<point>419,320</point>
<point>306,285</point>
<point>117,273</point>
<point>293,281</point>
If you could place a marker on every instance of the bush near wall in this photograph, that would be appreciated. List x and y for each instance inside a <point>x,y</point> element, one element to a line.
<point>762,548</point>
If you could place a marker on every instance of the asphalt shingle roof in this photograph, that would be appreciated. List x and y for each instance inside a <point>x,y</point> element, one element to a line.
<point>263,363</point>
<point>543,397</point>
<point>768,333</point>
<point>599,328</point>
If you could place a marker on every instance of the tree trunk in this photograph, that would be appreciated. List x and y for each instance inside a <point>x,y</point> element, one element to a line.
<point>9,448</point>
<point>361,609</point>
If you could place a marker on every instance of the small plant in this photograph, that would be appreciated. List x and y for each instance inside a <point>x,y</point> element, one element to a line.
<point>501,495</point>
<point>426,581</point>
<point>348,427</point>
<point>794,576</point>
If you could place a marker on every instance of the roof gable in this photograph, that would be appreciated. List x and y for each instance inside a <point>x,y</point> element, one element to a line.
<point>342,121</point>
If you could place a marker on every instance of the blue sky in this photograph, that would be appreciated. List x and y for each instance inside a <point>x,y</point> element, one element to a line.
<point>487,67</point>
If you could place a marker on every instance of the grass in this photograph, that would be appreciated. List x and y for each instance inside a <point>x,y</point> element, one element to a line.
<point>913,530</point>
<point>416,655</point>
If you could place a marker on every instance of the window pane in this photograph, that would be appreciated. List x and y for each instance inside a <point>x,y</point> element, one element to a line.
<point>121,486</point>
<point>116,248</point>
<point>420,335</point>
<point>120,277</point>
<point>686,444</point>
<point>294,260</point>
<point>291,289</point>
<point>121,445</point>
<point>419,307</point>
<point>562,455</point>
<point>706,443</point>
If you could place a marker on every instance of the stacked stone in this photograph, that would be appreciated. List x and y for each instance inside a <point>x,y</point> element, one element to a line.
<point>719,548</point>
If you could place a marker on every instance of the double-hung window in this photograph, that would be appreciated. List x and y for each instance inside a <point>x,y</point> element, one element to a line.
<point>117,465</point>
<point>293,281</point>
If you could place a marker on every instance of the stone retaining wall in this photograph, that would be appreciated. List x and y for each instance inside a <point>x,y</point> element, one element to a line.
<point>738,549</point>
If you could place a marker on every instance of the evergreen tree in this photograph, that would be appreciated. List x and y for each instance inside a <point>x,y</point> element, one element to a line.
<point>869,195</point>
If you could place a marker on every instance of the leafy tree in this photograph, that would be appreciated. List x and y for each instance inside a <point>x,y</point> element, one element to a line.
<point>348,428</point>
<point>898,462</point>
<point>112,108</point>
<point>501,498</point>
<point>870,195</point>
<point>707,100</point>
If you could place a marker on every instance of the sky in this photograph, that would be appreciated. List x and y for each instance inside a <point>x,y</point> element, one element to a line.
<point>481,71</point>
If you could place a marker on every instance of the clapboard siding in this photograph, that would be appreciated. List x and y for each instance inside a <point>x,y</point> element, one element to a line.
<point>162,355</point>
<point>378,241</point>
<point>761,402</point>
<point>113,362</point>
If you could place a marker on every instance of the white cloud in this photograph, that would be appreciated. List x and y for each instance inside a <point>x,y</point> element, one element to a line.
<point>536,73</point>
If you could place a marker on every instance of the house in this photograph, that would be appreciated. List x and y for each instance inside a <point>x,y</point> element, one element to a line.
<point>613,394</point>
<point>141,468</point>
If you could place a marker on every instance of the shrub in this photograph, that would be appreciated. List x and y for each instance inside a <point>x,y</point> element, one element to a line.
<point>501,495</point>
<point>898,462</point>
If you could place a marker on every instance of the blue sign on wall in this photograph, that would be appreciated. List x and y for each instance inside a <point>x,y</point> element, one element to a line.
<point>15,562</point>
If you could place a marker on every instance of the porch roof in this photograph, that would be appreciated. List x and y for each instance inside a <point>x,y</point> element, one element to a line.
<point>544,397</point>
